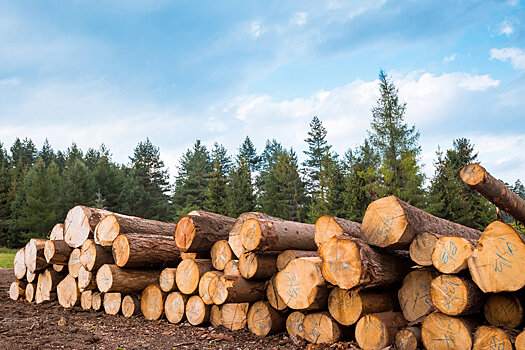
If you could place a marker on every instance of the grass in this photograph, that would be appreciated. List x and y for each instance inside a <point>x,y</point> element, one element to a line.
<point>6,257</point>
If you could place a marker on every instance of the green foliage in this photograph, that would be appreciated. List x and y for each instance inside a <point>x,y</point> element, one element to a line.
<point>6,257</point>
<point>248,152</point>
<point>217,185</point>
<point>78,186</point>
<point>240,194</point>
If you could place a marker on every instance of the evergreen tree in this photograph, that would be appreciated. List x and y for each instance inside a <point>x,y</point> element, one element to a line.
<point>73,153</point>
<point>336,183</point>
<point>241,198</point>
<point>109,179</point>
<point>23,153</point>
<point>94,155</point>
<point>47,154</point>
<point>5,182</point>
<point>248,152</point>
<point>267,159</point>
<point>217,184</point>
<point>78,185</point>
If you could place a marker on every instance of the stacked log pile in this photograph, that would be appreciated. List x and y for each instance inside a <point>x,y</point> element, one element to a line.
<point>402,278</point>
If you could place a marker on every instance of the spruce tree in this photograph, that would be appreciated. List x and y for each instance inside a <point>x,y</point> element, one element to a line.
<point>267,159</point>
<point>336,183</point>
<point>216,200</point>
<point>241,198</point>
<point>78,185</point>
<point>109,179</point>
<point>47,154</point>
<point>23,153</point>
<point>248,152</point>
<point>5,181</point>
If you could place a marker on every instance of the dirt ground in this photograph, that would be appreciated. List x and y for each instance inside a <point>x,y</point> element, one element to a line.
<point>31,326</point>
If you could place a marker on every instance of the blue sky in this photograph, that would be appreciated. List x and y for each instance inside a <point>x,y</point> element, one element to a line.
<point>174,71</point>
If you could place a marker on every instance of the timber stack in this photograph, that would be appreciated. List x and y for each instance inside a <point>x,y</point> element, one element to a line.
<point>402,278</point>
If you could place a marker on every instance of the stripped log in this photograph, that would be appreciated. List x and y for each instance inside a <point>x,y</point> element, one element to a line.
<point>189,272</point>
<point>232,268</point>
<point>234,315</point>
<point>414,294</point>
<point>174,307</point>
<point>199,230</point>
<point>220,253</point>
<point>230,289</point>
<point>503,310</point>
<point>294,324</point>
<point>167,280</point>
<point>197,312</point>
<point>408,339</point>
<point>152,302</point>
<point>257,266</point>
<point>30,292</point>
<point>19,263</point>
<point>520,341</point>
<point>451,254</point>
<point>443,332</point>
<point>34,255</point>
<point>31,276</point>
<point>454,295</point>
<point>422,248</point>
<point>96,302</point>
<point>68,292</point>
<point>111,278</point>
<point>215,316</point>
<point>93,256</point>
<point>73,265</point>
<point>320,328</point>
<point>57,233</point>
<point>86,280</point>
<point>86,299</point>
<point>391,222</point>
<point>143,251</point>
<point>80,224</point>
<point>273,296</point>
<point>288,255</point>
<point>112,303</point>
<point>328,226</point>
<point>186,255</point>
<point>234,237</point>
<point>47,284</point>
<point>130,305</point>
<point>489,338</point>
<point>377,331</point>
<point>204,283</point>
<point>17,289</point>
<point>57,252</point>
<point>263,320</point>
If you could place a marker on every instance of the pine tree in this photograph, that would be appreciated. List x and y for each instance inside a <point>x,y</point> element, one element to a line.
<point>267,159</point>
<point>109,179</point>
<point>78,185</point>
<point>241,198</point>
<point>24,152</point>
<point>336,183</point>
<point>248,152</point>
<point>47,154</point>
<point>72,154</point>
<point>5,181</point>
<point>217,184</point>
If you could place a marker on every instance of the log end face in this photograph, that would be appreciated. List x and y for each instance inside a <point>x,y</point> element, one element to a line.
<point>74,264</point>
<point>294,324</point>
<point>220,253</point>
<point>121,250</point>
<point>195,310</point>
<point>503,310</point>
<point>342,264</point>
<point>49,250</point>
<point>405,340</point>
<point>414,294</point>
<point>104,278</point>
<point>384,223</point>
<point>184,233</point>
<point>167,280</point>
<point>319,328</point>
<point>77,228</point>
<point>19,264</point>
<point>218,290</point>
<point>487,337</point>
<point>107,230</point>
<point>152,302</point>
<point>250,234</point>
<point>345,306</point>
<point>472,174</point>
<point>422,247</point>
<point>443,332</point>
<point>449,294</point>
<point>57,233</point>
<point>248,264</point>
<point>259,319</point>
<point>88,253</point>
<point>187,276</point>
<point>174,307</point>
<point>30,255</point>
<point>325,228</point>
<point>371,333</point>
<point>14,290</point>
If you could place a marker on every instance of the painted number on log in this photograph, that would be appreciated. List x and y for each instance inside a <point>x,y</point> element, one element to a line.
<point>297,323</point>
<point>504,255</point>
<point>496,344</point>
<point>260,319</point>
<point>448,335</point>
<point>449,289</point>
<point>448,253</point>
<point>425,293</point>
<point>386,227</point>
<point>293,286</point>
<point>337,265</point>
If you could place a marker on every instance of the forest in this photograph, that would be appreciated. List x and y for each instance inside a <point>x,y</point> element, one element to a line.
<point>38,187</point>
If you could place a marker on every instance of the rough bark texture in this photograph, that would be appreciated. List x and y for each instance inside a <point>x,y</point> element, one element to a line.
<point>73,264</point>
<point>229,289</point>
<point>130,305</point>
<point>111,278</point>
<point>93,255</point>
<point>17,290</point>
<point>57,233</point>
<point>234,315</point>
<point>487,337</point>
<point>377,331</point>
<point>19,263</point>
<point>220,253</point>
<point>189,273</point>
<point>294,324</point>
<point>414,294</point>
<point>443,332</point>
<point>273,296</point>
<point>234,238</point>
<point>264,320</point>
<point>57,252</point>
<point>328,226</point>
<point>451,254</point>
<point>46,286</point>
<point>143,251</point>
<point>174,307</point>
<point>408,339</point>
<point>503,310</point>
<point>204,283</point>
<point>197,312</point>
<point>288,255</point>
<point>34,255</point>
<point>257,266</point>
<point>80,224</point>
<point>112,303</point>
<point>152,302</point>
<point>320,328</point>
<point>167,280</point>
<point>199,230</point>
<point>455,295</point>
<point>68,292</point>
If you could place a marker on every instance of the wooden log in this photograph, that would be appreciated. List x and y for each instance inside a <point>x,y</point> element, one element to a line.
<point>80,224</point>
<point>520,341</point>
<point>199,230</point>
<point>68,292</point>
<point>113,225</point>
<point>234,237</point>
<point>349,262</point>
<point>479,179</point>
<point>273,296</point>
<point>86,299</point>
<point>17,289</point>
<point>320,328</point>
<point>187,255</point>
<point>30,292</point>
<point>348,306</point>
<point>60,268</point>
<point>57,252</point>
<point>422,247</point>
<point>93,256</point>
<point>487,337</point>
<point>288,255</point>
<point>111,278</point>
<point>232,268</point>
<point>328,226</point>
<point>257,266</point>
<point>215,316</point>
<point>189,272</point>
<point>47,284</point>
<point>391,222</point>
<point>197,312</point>
<point>443,332</point>
<point>294,324</point>
<point>263,320</point>
<point>57,233</point>
<point>204,283</point>
<point>19,263</point>
<point>230,289</point>
<point>31,276</point>
<point>152,302</point>
<point>275,234</point>
<point>73,265</point>
<point>377,331</point>
<point>220,253</point>
<point>451,254</point>
<point>112,303</point>
<point>503,310</point>
<point>454,295</point>
<point>86,280</point>
<point>130,305</point>
<point>167,280</point>
<point>234,315</point>
<point>408,339</point>
<point>143,251</point>
<point>414,294</point>
<point>96,302</point>
<point>496,264</point>
<point>174,307</point>
<point>34,255</point>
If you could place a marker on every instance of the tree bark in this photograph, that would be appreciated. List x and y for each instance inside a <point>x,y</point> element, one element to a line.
<point>68,292</point>
<point>30,292</point>
<point>57,252</point>
<point>295,324</point>
<point>174,307</point>
<point>167,280</point>
<point>234,315</point>
<point>414,294</point>
<point>189,273</point>
<point>96,301</point>
<point>328,226</point>
<point>377,331</point>
<point>288,255</point>
<point>408,339</point>
<point>487,337</point>
<point>47,284</point>
<point>111,278</point>
<point>197,312</point>
<point>19,263</point>
<point>152,302</point>
<point>220,253</point>
<point>320,328</point>
<point>80,224</point>
<point>34,255</point>
<point>263,320</point>
<point>451,254</point>
<point>199,230</point>
<point>273,296</point>
<point>130,305</point>
<point>443,332</point>
<point>234,238</point>
<point>86,299</point>
<point>112,303</point>
<point>17,290</point>
<point>73,265</point>
<point>454,295</point>
<point>86,280</point>
<point>204,283</point>
<point>140,251</point>
<point>57,233</point>
<point>257,266</point>
<point>93,255</point>
<point>215,316</point>
<point>503,310</point>
<point>229,289</point>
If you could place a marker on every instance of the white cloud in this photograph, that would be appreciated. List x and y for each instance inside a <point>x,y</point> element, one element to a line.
<point>450,58</point>
<point>506,27</point>
<point>513,54</point>
<point>255,29</point>
<point>300,18</point>
<point>513,2</point>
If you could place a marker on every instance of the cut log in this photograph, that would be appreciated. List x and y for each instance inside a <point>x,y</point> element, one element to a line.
<point>197,312</point>
<point>215,316</point>
<point>167,280</point>
<point>257,266</point>
<point>111,278</point>
<point>189,272</point>
<point>130,305</point>
<point>294,324</point>
<point>320,328</point>
<point>57,233</point>
<point>377,331</point>
<point>19,263</point>
<point>184,255</point>
<point>31,276</point>
<point>112,303</point>
<point>86,299</point>
<point>349,262</point>
<point>273,296</point>
<point>220,253</point>
<point>73,265</point>
<point>204,283</point>
<point>230,289</point>
<point>232,268</point>
<point>422,247</point>
<point>47,284</point>
<point>263,320</point>
<point>96,301</point>
<point>86,280</point>
<point>174,307</point>
<point>288,255</point>
<point>328,226</point>
<point>199,230</point>
<point>277,235</point>
<point>520,341</point>
<point>143,251</point>
<point>391,222</point>
<point>496,264</point>
<point>34,255</point>
<point>443,332</point>
<point>30,292</point>
<point>234,238</point>
<point>80,224</point>
<point>115,224</point>
<point>301,285</point>
<point>477,178</point>
<point>503,310</point>
<point>451,254</point>
<point>93,256</point>
<point>234,315</point>
<point>348,306</point>
<point>152,302</point>
<point>57,252</point>
<point>60,268</point>
<point>68,292</point>
<point>414,294</point>
<point>17,290</point>
<point>489,338</point>
<point>455,295</point>
<point>408,339</point>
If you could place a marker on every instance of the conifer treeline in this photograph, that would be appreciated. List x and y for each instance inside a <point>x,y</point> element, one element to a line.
<point>37,187</point>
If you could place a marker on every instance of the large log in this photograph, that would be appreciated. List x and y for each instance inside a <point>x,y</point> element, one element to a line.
<point>113,225</point>
<point>479,179</point>
<point>174,307</point>
<point>189,273</point>
<point>414,294</point>
<point>197,312</point>
<point>234,238</point>
<point>46,286</point>
<point>232,268</point>
<point>328,226</point>
<point>167,280</point>
<point>257,266</point>
<point>17,289</point>
<point>377,331</point>
<point>263,320</point>
<point>391,222</point>
<point>451,254</point>
<point>520,341</point>
<point>93,255</point>
<point>348,306</point>
<point>294,324</point>
<point>487,337</point>
<point>234,315</point>
<point>199,230</point>
<point>130,305</point>
<point>73,264</point>
<point>220,253</point>
<point>275,234</point>
<point>57,252</point>
<point>408,339</point>
<point>57,233</point>
<point>143,251</point>
<point>349,262</point>
<point>230,289</point>
<point>111,278</point>
<point>31,276</point>
<point>86,299</point>
<point>215,316</point>
<point>80,224</point>
<point>68,292</point>
<point>273,296</point>
<point>454,295</point>
<point>320,328</point>
<point>34,255</point>
<point>443,332</point>
<point>112,303</point>
<point>19,263</point>
<point>86,279</point>
<point>30,292</point>
<point>152,302</point>
<point>496,264</point>
<point>96,302</point>
<point>288,255</point>
<point>204,284</point>
<point>503,310</point>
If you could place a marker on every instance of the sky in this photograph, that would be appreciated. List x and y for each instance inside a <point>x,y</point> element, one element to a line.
<point>117,72</point>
